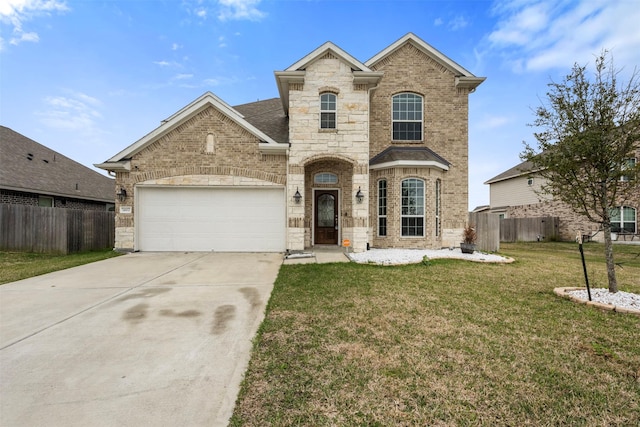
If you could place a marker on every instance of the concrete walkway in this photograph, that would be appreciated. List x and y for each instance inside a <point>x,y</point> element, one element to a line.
<point>318,255</point>
<point>145,339</point>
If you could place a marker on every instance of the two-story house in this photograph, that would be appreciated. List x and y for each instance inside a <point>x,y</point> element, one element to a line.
<point>375,153</point>
<point>516,193</point>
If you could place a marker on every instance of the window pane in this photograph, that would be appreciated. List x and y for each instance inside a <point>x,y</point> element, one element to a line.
<point>326,211</point>
<point>327,120</point>
<point>628,214</point>
<point>382,226</point>
<point>325,178</point>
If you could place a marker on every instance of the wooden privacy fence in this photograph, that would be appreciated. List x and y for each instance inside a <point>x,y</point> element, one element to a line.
<point>487,229</point>
<point>529,229</point>
<point>38,229</point>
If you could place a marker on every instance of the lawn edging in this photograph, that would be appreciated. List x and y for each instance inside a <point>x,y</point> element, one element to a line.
<point>563,292</point>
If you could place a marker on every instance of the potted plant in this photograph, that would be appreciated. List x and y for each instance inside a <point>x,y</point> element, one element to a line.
<point>469,236</point>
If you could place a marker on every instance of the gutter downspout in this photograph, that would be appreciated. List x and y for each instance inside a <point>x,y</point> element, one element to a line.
<point>369,92</point>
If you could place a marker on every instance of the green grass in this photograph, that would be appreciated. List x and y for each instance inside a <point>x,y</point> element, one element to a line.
<point>21,265</point>
<point>451,343</point>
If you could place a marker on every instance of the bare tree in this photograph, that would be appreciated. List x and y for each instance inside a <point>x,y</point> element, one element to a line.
<point>589,133</point>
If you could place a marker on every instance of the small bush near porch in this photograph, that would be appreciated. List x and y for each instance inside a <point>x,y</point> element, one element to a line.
<point>448,343</point>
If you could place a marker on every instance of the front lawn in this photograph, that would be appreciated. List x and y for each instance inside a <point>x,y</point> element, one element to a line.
<point>450,343</point>
<point>21,265</point>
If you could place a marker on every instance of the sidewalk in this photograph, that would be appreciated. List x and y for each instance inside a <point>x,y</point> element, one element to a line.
<point>317,255</point>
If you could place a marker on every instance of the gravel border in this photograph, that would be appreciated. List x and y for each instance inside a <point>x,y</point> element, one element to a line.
<point>414,256</point>
<point>620,302</point>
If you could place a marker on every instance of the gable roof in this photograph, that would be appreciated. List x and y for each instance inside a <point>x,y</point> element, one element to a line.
<point>296,72</point>
<point>28,166</point>
<point>464,78</point>
<point>523,168</point>
<point>408,156</point>
<point>120,162</point>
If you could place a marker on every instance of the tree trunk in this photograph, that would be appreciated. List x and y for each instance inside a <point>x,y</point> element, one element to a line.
<point>608,254</point>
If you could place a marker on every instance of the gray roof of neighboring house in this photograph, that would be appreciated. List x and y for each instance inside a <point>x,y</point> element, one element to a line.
<point>268,116</point>
<point>28,166</point>
<point>393,154</point>
<point>518,170</point>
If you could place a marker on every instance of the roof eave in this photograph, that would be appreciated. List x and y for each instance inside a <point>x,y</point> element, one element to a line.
<point>120,166</point>
<point>411,163</point>
<point>284,79</point>
<point>470,83</point>
<point>271,148</point>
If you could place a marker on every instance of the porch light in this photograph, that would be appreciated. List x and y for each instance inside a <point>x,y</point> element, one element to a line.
<point>297,197</point>
<point>122,194</point>
<point>359,196</point>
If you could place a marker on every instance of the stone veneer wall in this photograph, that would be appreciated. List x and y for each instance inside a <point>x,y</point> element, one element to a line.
<point>348,144</point>
<point>183,152</point>
<point>445,131</point>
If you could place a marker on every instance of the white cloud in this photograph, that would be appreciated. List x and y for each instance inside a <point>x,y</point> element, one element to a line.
<point>182,76</point>
<point>175,46</point>
<point>437,22</point>
<point>74,111</point>
<point>457,23</point>
<point>14,13</point>
<point>240,10</point>
<point>542,35</point>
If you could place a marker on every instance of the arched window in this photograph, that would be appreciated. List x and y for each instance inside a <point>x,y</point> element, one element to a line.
<point>328,108</point>
<point>382,207</point>
<point>412,203</point>
<point>325,178</point>
<point>407,117</point>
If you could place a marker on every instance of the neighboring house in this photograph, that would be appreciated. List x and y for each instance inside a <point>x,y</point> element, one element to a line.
<point>515,194</point>
<point>32,174</point>
<point>375,153</point>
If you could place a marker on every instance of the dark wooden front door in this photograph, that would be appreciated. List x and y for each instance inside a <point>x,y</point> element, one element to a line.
<point>326,217</point>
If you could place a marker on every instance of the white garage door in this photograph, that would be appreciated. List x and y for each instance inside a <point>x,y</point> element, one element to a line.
<point>206,219</point>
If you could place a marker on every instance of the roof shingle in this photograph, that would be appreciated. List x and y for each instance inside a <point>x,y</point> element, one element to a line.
<point>28,166</point>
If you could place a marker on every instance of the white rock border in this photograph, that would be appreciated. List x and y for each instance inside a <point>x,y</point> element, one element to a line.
<point>564,293</point>
<point>389,257</point>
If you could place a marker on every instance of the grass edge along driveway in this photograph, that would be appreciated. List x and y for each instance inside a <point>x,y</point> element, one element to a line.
<point>22,265</point>
<point>449,343</point>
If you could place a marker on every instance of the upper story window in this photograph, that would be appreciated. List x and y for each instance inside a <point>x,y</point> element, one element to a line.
<point>629,164</point>
<point>328,106</point>
<point>407,117</point>
<point>325,178</point>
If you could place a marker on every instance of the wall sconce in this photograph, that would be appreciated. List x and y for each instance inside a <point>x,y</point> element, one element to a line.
<point>359,196</point>
<point>122,194</point>
<point>297,197</point>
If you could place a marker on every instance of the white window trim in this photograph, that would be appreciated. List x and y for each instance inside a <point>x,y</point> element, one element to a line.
<point>424,226</point>
<point>335,112</point>
<point>621,223</point>
<point>421,121</point>
<point>386,207</point>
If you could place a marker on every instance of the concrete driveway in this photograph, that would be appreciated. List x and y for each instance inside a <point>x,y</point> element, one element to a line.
<point>145,339</point>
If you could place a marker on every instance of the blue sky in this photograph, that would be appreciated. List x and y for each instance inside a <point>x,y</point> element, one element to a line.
<point>88,78</point>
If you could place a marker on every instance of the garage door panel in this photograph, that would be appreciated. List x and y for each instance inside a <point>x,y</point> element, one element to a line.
<point>205,219</point>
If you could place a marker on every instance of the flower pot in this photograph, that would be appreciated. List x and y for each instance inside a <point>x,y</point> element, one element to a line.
<point>467,248</point>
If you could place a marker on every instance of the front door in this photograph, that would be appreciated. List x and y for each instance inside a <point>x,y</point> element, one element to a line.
<point>326,217</point>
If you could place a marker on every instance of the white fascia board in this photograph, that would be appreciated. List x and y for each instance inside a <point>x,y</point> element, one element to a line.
<point>425,47</point>
<point>277,148</point>
<point>304,62</point>
<point>121,166</point>
<point>411,163</point>
<point>208,99</point>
